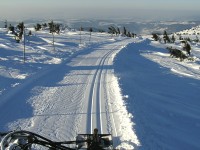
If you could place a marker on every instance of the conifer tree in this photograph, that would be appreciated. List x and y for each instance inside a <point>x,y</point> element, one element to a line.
<point>6,25</point>
<point>197,39</point>
<point>187,47</point>
<point>118,31</point>
<point>124,32</point>
<point>129,34</point>
<point>20,26</point>
<point>38,27</point>
<point>51,27</point>
<point>112,30</point>
<point>173,38</point>
<point>155,36</point>
<point>166,37</point>
<point>44,25</point>
<point>133,35</point>
<point>52,30</point>
<point>12,28</point>
<point>29,33</point>
<point>57,28</point>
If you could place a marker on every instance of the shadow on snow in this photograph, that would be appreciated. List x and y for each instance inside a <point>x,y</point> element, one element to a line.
<point>166,107</point>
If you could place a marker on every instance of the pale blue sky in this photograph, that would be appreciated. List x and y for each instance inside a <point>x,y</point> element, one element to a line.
<point>101,9</point>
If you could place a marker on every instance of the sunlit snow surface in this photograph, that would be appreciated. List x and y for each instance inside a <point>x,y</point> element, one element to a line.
<point>146,99</point>
<point>62,91</point>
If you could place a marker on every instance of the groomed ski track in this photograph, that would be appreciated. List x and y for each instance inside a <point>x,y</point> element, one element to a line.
<point>72,98</point>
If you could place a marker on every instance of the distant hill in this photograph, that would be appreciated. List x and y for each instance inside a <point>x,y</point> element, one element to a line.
<point>191,31</point>
<point>138,27</point>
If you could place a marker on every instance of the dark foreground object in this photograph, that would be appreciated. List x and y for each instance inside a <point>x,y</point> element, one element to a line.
<point>25,140</point>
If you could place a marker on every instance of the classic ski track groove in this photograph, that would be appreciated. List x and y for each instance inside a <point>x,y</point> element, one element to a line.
<point>95,112</point>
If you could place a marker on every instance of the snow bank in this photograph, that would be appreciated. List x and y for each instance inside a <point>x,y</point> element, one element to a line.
<point>126,134</point>
<point>164,103</point>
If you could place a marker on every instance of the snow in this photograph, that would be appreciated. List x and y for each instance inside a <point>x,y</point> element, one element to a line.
<point>130,88</point>
<point>163,95</point>
<point>60,93</point>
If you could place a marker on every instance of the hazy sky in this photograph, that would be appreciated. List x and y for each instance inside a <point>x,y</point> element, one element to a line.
<point>100,9</point>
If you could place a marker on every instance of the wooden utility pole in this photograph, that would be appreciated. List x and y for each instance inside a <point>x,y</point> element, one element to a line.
<point>52,30</point>
<point>53,41</point>
<point>80,34</point>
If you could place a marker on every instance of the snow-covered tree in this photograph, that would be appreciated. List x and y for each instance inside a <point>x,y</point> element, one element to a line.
<point>186,46</point>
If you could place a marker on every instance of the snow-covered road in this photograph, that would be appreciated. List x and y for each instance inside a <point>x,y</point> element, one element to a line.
<point>73,97</point>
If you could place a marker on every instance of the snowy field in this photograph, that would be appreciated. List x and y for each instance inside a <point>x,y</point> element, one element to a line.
<point>130,88</point>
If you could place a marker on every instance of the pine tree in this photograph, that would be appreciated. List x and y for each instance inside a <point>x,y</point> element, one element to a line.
<point>29,33</point>
<point>38,27</point>
<point>129,34</point>
<point>173,38</point>
<point>57,28</point>
<point>6,25</point>
<point>44,25</point>
<point>118,31</point>
<point>101,30</point>
<point>166,37</point>
<point>20,26</point>
<point>12,28</point>
<point>155,36</point>
<point>124,32</point>
<point>112,30</point>
<point>51,27</point>
<point>90,30</point>
<point>133,35</point>
<point>187,47</point>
